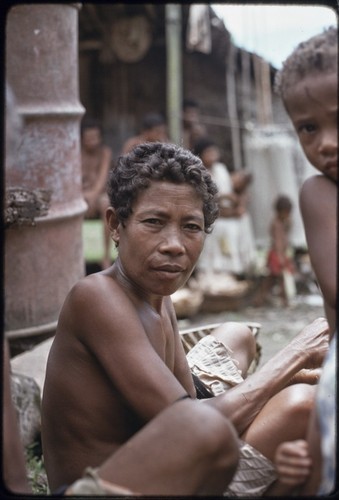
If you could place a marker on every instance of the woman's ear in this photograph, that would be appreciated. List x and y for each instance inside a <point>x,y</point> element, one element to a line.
<point>113,224</point>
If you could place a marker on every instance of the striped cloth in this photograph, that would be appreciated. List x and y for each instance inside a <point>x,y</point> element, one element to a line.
<point>212,362</point>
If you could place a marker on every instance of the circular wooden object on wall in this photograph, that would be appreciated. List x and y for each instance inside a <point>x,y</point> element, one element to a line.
<point>131,38</point>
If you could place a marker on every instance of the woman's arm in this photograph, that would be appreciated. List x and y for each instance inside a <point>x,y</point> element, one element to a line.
<point>242,403</point>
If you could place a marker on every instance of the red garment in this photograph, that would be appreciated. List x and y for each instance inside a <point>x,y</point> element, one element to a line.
<point>275,266</point>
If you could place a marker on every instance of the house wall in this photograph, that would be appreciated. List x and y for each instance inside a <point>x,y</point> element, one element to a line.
<point>120,93</point>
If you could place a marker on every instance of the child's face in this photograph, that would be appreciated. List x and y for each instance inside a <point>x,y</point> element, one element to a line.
<point>284,215</point>
<point>210,155</point>
<point>312,105</point>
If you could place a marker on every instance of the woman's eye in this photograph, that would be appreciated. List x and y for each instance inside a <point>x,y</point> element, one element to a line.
<point>152,221</point>
<point>193,227</point>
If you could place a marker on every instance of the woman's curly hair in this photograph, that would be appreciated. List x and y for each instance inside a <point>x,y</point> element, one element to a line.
<point>160,162</point>
<point>315,55</point>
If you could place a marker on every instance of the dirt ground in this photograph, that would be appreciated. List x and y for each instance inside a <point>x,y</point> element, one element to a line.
<point>279,324</point>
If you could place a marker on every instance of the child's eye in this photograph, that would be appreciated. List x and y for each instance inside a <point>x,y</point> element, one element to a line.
<point>306,127</point>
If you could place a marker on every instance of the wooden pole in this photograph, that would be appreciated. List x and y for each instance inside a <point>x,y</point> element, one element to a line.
<point>174,71</point>
<point>231,97</point>
<point>263,91</point>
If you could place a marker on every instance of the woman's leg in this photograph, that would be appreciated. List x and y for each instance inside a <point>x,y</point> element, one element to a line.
<point>239,338</point>
<point>284,418</point>
<point>189,448</point>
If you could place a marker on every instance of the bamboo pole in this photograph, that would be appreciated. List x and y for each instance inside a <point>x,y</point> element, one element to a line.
<point>263,91</point>
<point>231,97</point>
<point>174,71</point>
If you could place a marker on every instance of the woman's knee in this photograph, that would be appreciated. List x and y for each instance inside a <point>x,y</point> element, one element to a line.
<point>299,398</point>
<point>297,404</point>
<point>235,333</point>
<point>239,338</point>
<point>217,438</point>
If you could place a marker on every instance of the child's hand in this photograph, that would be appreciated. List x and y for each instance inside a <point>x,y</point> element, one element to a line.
<point>293,462</point>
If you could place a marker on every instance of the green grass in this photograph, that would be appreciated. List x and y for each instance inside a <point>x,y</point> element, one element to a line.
<point>35,469</point>
<point>93,241</point>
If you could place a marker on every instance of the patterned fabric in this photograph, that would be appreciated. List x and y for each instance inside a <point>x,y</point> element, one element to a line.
<point>212,362</point>
<point>255,473</point>
<point>326,409</point>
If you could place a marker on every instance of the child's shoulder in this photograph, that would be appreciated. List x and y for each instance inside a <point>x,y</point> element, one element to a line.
<point>316,186</point>
<point>318,198</point>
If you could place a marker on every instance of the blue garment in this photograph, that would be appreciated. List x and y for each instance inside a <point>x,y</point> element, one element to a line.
<point>326,409</point>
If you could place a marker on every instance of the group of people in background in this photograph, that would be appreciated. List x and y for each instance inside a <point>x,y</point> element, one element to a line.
<point>230,249</point>
<point>96,161</point>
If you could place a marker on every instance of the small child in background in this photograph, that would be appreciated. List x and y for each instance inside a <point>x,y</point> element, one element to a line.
<point>279,263</point>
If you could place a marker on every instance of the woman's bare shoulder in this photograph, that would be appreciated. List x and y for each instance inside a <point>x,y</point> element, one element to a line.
<point>96,302</point>
<point>94,292</point>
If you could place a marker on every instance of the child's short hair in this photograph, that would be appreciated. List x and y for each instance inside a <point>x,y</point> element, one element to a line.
<point>283,203</point>
<point>315,55</point>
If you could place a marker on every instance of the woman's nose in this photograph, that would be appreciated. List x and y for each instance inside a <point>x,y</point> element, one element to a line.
<point>172,241</point>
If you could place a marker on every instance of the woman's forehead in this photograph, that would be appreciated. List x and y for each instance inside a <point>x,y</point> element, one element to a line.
<point>162,193</point>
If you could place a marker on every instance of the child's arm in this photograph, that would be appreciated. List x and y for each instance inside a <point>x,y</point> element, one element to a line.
<point>318,204</point>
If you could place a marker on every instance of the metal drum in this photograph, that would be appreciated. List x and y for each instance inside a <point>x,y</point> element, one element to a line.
<point>44,260</point>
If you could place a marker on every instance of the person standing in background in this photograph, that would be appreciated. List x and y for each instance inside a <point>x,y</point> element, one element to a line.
<point>230,247</point>
<point>153,129</point>
<point>279,262</point>
<point>96,160</point>
<point>193,129</point>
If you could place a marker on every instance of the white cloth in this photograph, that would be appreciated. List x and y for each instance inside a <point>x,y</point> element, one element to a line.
<point>199,29</point>
<point>230,248</point>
